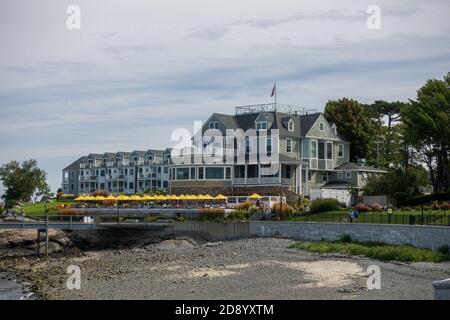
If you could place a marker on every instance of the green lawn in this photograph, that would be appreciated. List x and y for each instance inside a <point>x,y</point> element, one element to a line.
<point>438,217</point>
<point>374,250</point>
<point>38,209</point>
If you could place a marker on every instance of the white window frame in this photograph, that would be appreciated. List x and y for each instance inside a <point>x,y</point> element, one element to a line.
<point>325,175</point>
<point>311,148</point>
<point>213,125</point>
<point>290,125</point>
<point>290,145</point>
<point>348,174</point>
<point>321,126</point>
<point>309,176</point>
<point>271,145</point>
<point>339,151</point>
<point>260,125</point>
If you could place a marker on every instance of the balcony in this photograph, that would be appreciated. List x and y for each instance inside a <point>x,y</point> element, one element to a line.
<point>261,181</point>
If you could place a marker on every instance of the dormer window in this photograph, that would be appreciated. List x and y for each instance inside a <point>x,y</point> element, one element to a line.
<point>321,126</point>
<point>291,126</point>
<point>214,125</point>
<point>261,125</point>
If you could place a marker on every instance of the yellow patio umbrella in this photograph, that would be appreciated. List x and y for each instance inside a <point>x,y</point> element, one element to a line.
<point>172,197</point>
<point>160,197</point>
<point>201,197</point>
<point>123,198</point>
<point>190,197</point>
<point>100,198</point>
<point>181,197</point>
<point>208,197</point>
<point>80,198</point>
<point>89,198</point>
<point>148,198</point>
<point>110,198</point>
<point>135,197</point>
<point>220,197</point>
<point>255,196</point>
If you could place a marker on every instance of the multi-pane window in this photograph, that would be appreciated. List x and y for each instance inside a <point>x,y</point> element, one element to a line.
<point>291,126</point>
<point>305,148</point>
<point>215,173</point>
<point>309,176</point>
<point>348,174</point>
<point>200,173</point>
<point>340,150</point>
<point>288,145</point>
<point>314,149</point>
<point>340,175</point>
<point>248,147</point>
<point>324,177</point>
<point>182,174</point>
<point>269,145</point>
<point>227,173</point>
<point>321,150</point>
<point>214,125</point>
<point>329,150</point>
<point>321,126</point>
<point>261,125</point>
<point>192,173</point>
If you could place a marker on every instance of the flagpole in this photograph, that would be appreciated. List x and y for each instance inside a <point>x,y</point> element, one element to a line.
<point>275,95</point>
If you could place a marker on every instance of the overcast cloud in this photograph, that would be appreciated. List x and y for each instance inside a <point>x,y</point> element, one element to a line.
<point>139,69</point>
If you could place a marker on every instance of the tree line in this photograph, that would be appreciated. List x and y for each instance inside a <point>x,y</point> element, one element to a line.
<point>410,139</point>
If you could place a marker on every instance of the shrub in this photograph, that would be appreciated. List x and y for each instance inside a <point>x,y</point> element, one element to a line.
<point>70,212</point>
<point>444,249</point>
<point>376,207</point>
<point>238,215</point>
<point>346,238</point>
<point>282,208</point>
<point>217,214</point>
<point>103,193</point>
<point>323,205</point>
<point>445,206</point>
<point>245,206</point>
<point>363,208</point>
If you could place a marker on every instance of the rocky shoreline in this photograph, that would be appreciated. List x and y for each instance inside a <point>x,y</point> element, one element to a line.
<point>259,268</point>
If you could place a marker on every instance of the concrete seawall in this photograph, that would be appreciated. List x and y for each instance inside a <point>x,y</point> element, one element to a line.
<point>431,237</point>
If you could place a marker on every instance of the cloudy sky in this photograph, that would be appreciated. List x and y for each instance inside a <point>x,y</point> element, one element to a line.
<point>136,70</point>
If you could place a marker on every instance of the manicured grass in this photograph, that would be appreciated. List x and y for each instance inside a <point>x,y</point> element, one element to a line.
<point>438,217</point>
<point>374,250</point>
<point>38,209</point>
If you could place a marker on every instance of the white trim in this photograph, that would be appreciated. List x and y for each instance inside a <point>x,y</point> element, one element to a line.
<point>343,151</point>
<point>290,122</point>
<point>285,149</point>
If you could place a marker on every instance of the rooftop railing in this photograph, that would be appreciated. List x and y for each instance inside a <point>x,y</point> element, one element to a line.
<point>272,107</point>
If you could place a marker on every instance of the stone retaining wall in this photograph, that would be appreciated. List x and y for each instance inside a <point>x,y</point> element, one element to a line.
<point>420,236</point>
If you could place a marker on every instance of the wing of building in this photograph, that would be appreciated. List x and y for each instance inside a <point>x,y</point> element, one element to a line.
<point>311,155</point>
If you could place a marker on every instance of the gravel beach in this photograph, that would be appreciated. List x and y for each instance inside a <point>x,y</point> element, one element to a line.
<point>240,269</point>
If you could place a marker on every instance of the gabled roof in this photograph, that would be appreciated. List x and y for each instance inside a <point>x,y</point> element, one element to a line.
<point>307,121</point>
<point>108,155</point>
<point>139,153</point>
<point>228,120</point>
<point>354,166</point>
<point>74,165</point>
<point>154,151</point>
<point>123,154</point>
<point>95,155</point>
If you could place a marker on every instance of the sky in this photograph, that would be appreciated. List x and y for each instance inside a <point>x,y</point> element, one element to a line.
<point>137,70</point>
